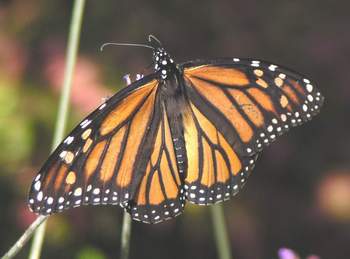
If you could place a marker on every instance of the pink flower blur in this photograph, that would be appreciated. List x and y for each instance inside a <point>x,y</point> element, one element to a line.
<point>87,89</point>
<point>333,195</point>
<point>13,58</point>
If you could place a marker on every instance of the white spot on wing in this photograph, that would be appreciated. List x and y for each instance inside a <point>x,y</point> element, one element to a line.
<point>69,140</point>
<point>63,154</point>
<point>309,88</point>
<point>85,123</point>
<point>78,192</point>
<point>37,185</point>
<point>272,67</point>
<point>39,197</point>
<point>102,106</point>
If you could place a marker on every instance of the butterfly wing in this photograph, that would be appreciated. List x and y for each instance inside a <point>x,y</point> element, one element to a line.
<point>103,158</point>
<point>235,108</point>
<point>160,195</point>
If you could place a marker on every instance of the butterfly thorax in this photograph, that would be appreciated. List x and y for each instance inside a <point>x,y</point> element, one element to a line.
<point>170,91</point>
<point>163,63</point>
<point>172,99</point>
<point>171,94</point>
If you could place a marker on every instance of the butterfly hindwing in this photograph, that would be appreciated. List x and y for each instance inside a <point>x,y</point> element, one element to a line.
<point>160,195</point>
<point>216,170</point>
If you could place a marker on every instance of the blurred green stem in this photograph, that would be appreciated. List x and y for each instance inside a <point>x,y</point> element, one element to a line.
<point>72,49</point>
<point>24,238</point>
<point>126,233</point>
<point>220,231</point>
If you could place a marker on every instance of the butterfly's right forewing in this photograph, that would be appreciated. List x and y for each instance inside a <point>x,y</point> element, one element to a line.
<point>236,107</point>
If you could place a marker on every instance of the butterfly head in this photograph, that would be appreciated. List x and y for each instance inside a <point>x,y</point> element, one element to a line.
<point>163,63</point>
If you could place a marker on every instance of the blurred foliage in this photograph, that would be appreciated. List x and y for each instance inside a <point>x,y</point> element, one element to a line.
<point>90,253</point>
<point>298,195</point>
<point>16,131</point>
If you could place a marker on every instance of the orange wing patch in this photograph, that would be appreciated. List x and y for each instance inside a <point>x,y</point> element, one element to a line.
<point>191,135</point>
<point>221,75</point>
<point>263,99</point>
<point>291,94</point>
<point>225,106</point>
<point>156,195</point>
<point>141,196</point>
<point>126,107</point>
<point>234,161</point>
<point>298,87</point>
<point>213,164</point>
<point>210,129</point>
<point>208,173</point>
<point>222,169</point>
<point>248,107</point>
<point>138,128</point>
<point>159,193</point>
<point>93,159</point>
<point>171,185</point>
<point>110,161</point>
<point>60,177</point>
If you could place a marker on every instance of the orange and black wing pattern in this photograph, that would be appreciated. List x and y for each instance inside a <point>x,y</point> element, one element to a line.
<point>236,106</point>
<point>186,132</point>
<point>102,159</point>
<point>160,195</point>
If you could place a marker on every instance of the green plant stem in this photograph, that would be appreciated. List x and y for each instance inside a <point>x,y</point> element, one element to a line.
<point>126,233</point>
<point>24,238</point>
<point>220,231</point>
<point>72,50</point>
<point>39,224</point>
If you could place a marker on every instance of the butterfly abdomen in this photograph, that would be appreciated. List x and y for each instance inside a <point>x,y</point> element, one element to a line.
<point>173,97</point>
<point>180,152</point>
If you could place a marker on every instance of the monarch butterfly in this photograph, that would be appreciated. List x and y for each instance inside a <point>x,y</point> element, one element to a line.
<point>189,131</point>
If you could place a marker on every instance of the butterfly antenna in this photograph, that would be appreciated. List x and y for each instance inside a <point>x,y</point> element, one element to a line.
<point>125,44</point>
<point>152,37</point>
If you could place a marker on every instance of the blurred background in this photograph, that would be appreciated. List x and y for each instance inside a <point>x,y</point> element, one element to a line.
<point>299,193</point>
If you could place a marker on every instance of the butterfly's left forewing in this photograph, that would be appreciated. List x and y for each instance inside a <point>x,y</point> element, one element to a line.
<point>100,162</point>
